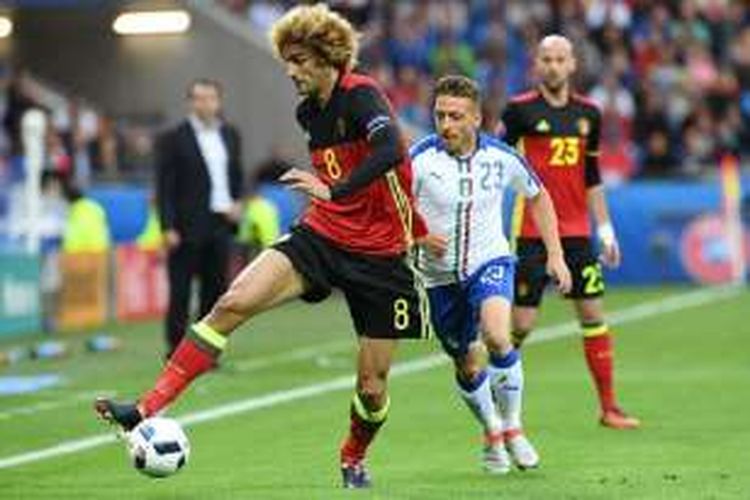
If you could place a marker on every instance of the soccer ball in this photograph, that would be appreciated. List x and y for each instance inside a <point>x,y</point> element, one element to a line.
<point>158,447</point>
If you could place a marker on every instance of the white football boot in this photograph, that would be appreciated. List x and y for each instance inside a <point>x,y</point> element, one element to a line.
<point>495,458</point>
<point>521,450</point>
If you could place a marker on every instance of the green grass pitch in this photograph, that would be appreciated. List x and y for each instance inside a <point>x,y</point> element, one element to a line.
<point>686,373</point>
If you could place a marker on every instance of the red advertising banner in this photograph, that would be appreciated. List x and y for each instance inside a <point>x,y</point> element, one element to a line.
<point>141,284</point>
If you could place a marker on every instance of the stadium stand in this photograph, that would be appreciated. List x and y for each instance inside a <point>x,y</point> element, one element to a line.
<point>664,73</point>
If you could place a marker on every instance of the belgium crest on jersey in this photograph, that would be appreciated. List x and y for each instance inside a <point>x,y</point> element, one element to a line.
<point>542,126</point>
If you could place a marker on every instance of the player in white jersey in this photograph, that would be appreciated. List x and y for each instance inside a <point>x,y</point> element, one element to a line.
<point>460,177</point>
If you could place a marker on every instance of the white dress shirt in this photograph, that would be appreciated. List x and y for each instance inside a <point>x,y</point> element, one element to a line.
<point>214,153</point>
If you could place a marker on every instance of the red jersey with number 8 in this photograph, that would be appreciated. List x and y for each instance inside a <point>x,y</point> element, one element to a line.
<point>378,219</point>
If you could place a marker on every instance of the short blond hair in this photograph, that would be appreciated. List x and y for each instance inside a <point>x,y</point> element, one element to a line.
<point>458,86</point>
<point>317,28</point>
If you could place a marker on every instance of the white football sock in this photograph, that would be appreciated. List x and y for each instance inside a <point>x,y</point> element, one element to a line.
<point>506,376</point>
<point>477,395</point>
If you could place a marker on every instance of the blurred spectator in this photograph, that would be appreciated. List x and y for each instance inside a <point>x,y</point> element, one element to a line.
<point>81,142</point>
<point>689,25</point>
<point>618,108</point>
<point>659,159</point>
<point>86,227</point>
<point>740,60</point>
<point>151,237</point>
<point>701,68</point>
<point>491,123</point>
<point>650,126</point>
<point>199,184</point>
<point>602,12</point>
<point>269,170</point>
<point>490,67</point>
<point>418,114</point>
<point>259,226</point>
<point>359,12</point>
<point>263,13</point>
<point>105,150</point>
<point>18,101</point>
<point>76,141</point>
<point>52,228</point>
<point>699,142</point>
<point>58,159</point>
<point>451,55</point>
<point>407,44</point>
<point>238,7</point>
<point>138,151</point>
<point>612,95</point>
<point>405,89</point>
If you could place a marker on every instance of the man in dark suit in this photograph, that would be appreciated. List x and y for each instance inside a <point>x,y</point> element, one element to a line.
<point>199,183</point>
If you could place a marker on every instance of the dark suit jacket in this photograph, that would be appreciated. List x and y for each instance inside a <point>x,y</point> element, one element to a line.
<point>183,182</point>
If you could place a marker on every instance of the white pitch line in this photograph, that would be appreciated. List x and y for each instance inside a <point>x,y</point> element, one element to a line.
<point>244,366</point>
<point>298,354</point>
<point>33,409</point>
<point>643,310</point>
<point>313,352</point>
<point>630,314</point>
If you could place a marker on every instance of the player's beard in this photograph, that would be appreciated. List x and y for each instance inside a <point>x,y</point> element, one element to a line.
<point>206,116</point>
<point>449,140</point>
<point>555,86</point>
<point>455,143</point>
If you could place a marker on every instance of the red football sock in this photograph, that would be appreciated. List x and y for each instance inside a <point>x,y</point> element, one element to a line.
<point>189,360</point>
<point>599,357</point>
<point>362,430</point>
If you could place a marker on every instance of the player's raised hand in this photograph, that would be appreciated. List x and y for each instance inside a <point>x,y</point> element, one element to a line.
<point>306,182</point>
<point>560,273</point>
<point>436,244</point>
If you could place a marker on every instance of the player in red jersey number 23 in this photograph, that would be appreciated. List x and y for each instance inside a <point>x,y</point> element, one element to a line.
<point>558,132</point>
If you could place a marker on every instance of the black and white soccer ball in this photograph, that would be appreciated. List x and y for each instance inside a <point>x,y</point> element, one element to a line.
<point>158,447</point>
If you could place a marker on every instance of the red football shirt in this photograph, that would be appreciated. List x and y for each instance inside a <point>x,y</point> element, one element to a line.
<point>562,145</point>
<point>380,218</point>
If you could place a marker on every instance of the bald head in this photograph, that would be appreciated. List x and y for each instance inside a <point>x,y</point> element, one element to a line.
<point>555,62</point>
<point>556,43</point>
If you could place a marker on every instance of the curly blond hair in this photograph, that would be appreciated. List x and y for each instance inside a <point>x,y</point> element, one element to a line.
<point>317,28</point>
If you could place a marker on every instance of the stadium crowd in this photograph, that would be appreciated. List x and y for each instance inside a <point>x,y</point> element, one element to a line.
<point>81,142</point>
<point>672,77</point>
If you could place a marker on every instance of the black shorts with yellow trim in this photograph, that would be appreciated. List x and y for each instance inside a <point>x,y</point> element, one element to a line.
<point>385,295</point>
<point>531,273</point>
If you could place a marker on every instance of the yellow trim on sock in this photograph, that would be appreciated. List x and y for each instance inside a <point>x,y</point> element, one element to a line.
<point>210,336</point>
<point>595,331</point>
<point>370,416</point>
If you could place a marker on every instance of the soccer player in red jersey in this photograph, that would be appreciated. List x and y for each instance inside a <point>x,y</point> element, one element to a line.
<point>558,132</point>
<point>354,235</point>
